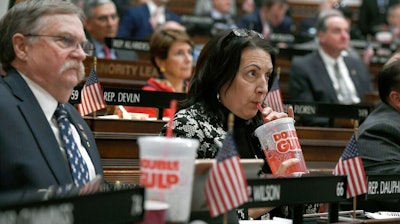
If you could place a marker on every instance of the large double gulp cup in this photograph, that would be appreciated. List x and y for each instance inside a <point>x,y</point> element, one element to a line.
<point>166,172</point>
<point>280,143</point>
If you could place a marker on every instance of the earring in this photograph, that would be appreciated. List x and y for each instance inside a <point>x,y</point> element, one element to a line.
<point>218,97</point>
<point>162,70</point>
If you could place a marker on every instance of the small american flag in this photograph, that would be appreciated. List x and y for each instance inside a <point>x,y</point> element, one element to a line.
<point>226,185</point>
<point>274,97</point>
<point>92,98</point>
<point>350,164</point>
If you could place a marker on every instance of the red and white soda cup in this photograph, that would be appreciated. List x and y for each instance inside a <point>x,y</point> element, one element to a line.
<point>279,141</point>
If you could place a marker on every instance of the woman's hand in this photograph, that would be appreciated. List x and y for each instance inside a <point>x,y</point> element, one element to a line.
<point>270,115</point>
<point>286,164</point>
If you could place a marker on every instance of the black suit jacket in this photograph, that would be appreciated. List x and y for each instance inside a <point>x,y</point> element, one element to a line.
<point>30,157</point>
<point>379,147</point>
<point>379,142</point>
<point>310,81</point>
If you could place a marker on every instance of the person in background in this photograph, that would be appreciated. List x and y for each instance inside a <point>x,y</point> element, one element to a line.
<point>204,7</point>
<point>248,6</point>
<point>372,15</point>
<point>102,22</point>
<point>171,54</point>
<point>312,44</point>
<point>122,5</point>
<point>270,18</point>
<point>141,21</point>
<point>378,142</point>
<point>222,16</point>
<point>308,26</point>
<point>233,74</point>
<point>43,47</point>
<point>377,135</point>
<point>393,20</point>
<point>326,75</point>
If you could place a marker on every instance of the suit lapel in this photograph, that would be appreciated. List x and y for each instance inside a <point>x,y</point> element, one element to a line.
<point>40,128</point>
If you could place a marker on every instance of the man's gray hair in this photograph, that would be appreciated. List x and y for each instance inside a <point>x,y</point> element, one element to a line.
<point>26,18</point>
<point>89,5</point>
<point>324,15</point>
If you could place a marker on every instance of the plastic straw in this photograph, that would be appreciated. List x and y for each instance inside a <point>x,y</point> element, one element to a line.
<point>172,106</point>
<point>259,107</point>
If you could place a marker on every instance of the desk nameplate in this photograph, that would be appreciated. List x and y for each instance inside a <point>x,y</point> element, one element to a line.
<point>122,206</point>
<point>383,187</point>
<point>296,190</point>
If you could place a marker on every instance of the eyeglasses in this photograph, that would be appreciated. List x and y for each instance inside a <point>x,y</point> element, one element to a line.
<point>246,33</point>
<point>240,33</point>
<point>68,42</point>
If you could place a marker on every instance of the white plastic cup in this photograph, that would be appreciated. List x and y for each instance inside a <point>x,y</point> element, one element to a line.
<point>166,172</point>
<point>279,141</point>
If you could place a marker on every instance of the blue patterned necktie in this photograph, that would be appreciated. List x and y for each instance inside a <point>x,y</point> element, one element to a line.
<point>78,165</point>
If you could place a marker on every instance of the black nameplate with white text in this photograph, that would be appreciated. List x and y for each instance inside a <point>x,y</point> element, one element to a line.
<point>132,97</point>
<point>128,44</point>
<point>357,111</point>
<point>383,187</point>
<point>123,206</point>
<point>296,190</point>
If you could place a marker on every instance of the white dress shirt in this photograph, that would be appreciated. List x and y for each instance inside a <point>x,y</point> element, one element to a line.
<point>330,62</point>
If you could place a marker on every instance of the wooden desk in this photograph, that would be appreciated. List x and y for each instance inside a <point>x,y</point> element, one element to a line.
<point>117,144</point>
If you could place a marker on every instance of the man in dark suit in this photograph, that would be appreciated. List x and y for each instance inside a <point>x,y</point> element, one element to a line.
<point>378,140</point>
<point>44,62</point>
<point>270,18</point>
<point>139,22</point>
<point>329,75</point>
<point>378,136</point>
<point>102,22</point>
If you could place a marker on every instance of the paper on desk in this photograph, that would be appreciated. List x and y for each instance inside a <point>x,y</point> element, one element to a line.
<point>275,220</point>
<point>382,215</point>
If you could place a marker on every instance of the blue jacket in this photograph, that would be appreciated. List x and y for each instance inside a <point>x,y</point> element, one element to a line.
<point>136,22</point>
<point>253,21</point>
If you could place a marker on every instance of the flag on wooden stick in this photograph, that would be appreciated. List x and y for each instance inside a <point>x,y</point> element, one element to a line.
<point>274,97</point>
<point>350,164</point>
<point>226,185</point>
<point>92,98</point>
